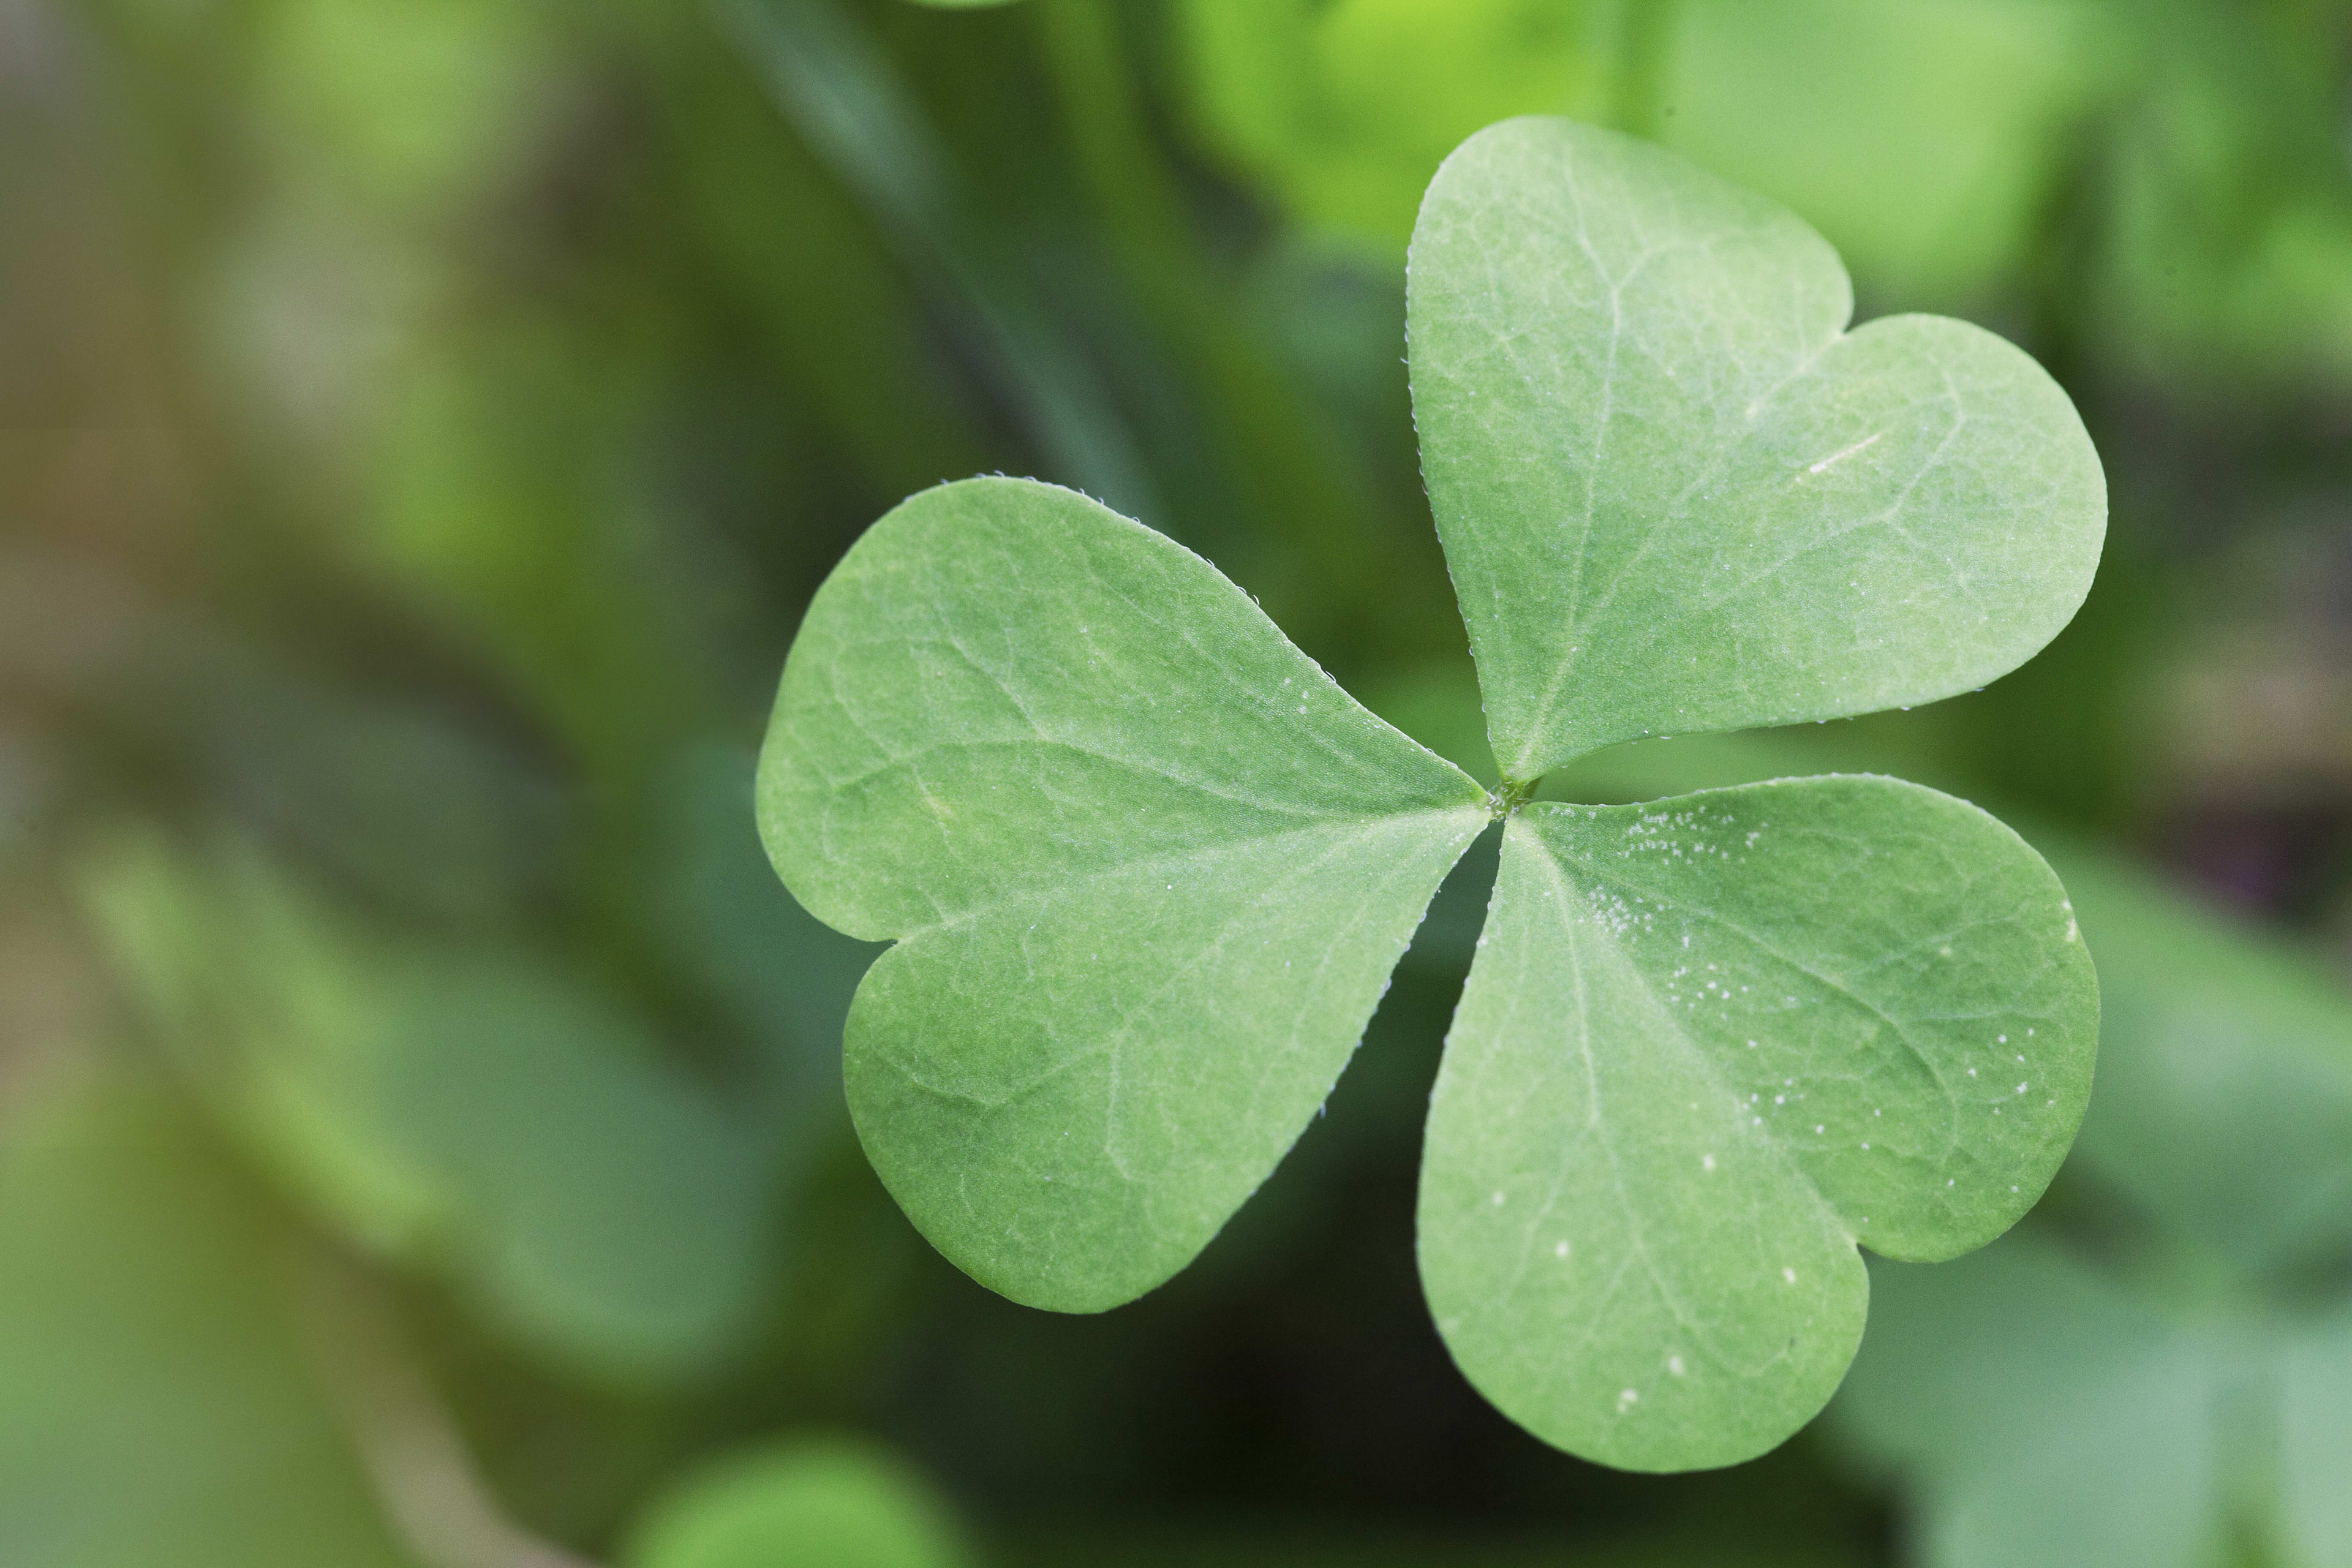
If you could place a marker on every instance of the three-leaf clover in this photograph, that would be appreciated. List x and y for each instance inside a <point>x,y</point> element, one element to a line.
<point>1148,868</point>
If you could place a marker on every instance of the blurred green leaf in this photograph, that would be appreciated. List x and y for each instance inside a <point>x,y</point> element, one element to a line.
<point>2225,1083</point>
<point>1345,108</point>
<point>475,1111</point>
<point>1923,138</point>
<point>1397,1549</point>
<point>156,1404</point>
<point>814,1502</point>
<point>414,106</point>
<point>2224,217</point>
<point>2314,1388</point>
<point>2041,1413</point>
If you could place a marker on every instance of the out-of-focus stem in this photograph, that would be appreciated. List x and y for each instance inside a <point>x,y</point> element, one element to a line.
<point>407,1440</point>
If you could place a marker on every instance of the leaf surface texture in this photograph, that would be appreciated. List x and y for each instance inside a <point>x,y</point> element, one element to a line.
<point>1149,870</point>
<point>1707,1046</point>
<point>1677,495</point>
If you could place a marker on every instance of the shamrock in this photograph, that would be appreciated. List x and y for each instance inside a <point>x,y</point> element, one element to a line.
<point>1147,868</point>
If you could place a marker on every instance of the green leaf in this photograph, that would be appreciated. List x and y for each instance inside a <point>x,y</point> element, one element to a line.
<point>2314,1388</point>
<point>472,1111</point>
<point>404,114</point>
<point>811,1503</point>
<point>1923,140</point>
<point>1676,495</point>
<point>2040,1410</point>
<point>1346,107</point>
<point>2225,1091</point>
<point>1368,1545</point>
<point>1707,1048</point>
<point>1147,867</point>
<point>155,1402</point>
<point>2040,1414</point>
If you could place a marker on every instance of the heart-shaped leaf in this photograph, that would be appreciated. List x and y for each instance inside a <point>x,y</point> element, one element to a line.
<point>1676,495</point>
<point>1707,1048</point>
<point>1147,867</point>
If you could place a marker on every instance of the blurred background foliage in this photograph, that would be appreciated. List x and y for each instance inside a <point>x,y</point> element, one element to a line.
<point>421,425</point>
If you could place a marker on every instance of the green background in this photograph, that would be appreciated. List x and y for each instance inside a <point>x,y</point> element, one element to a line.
<point>422,425</point>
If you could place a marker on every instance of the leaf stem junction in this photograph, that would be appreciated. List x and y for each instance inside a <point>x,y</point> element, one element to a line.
<point>1513,795</point>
